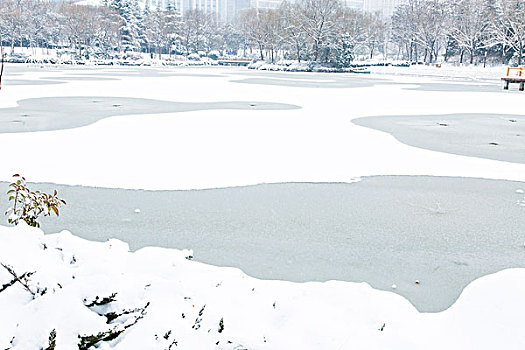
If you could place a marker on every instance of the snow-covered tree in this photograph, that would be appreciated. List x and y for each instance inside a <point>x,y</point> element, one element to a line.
<point>11,23</point>
<point>252,27</point>
<point>374,28</point>
<point>319,18</point>
<point>509,26</point>
<point>404,30</point>
<point>471,23</point>
<point>293,34</point>
<point>128,29</point>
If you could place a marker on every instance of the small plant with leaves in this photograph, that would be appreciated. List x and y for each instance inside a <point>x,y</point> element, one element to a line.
<point>221,325</point>
<point>52,340</point>
<point>30,205</point>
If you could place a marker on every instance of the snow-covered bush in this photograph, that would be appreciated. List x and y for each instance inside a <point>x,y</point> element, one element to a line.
<point>194,57</point>
<point>214,55</point>
<point>29,205</point>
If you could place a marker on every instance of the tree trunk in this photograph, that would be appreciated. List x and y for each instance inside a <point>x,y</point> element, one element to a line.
<point>520,54</point>
<point>261,51</point>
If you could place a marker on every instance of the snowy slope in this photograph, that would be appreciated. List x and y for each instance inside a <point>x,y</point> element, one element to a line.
<point>167,300</point>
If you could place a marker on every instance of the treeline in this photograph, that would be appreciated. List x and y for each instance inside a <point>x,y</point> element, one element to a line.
<point>469,29</point>
<point>120,27</point>
<point>314,30</point>
<point>324,31</point>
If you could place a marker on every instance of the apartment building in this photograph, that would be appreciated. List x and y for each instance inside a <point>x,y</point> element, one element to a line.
<point>385,7</point>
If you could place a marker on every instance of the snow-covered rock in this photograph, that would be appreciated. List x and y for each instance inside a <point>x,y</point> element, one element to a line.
<point>158,299</point>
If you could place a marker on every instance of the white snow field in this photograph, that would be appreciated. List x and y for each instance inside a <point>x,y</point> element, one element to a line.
<point>221,148</point>
<point>169,302</point>
<point>157,299</point>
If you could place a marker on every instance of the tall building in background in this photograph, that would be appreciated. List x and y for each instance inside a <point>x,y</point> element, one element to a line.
<point>213,7</point>
<point>226,10</point>
<point>358,5</point>
<point>266,4</point>
<point>221,10</point>
<point>385,7</point>
<point>236,7</point>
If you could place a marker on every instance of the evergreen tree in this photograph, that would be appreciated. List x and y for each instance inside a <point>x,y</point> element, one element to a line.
<point>142,41</point>
<point>345,54</point>
<point>128,23</point>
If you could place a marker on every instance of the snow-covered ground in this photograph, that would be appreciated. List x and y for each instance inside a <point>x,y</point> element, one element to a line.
<point>166,299</point>
<point>161,300</point>
<point>220,148</point>
<point>473,73</point>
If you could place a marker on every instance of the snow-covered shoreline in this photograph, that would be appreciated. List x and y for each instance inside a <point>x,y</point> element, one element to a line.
<point>167,299</point>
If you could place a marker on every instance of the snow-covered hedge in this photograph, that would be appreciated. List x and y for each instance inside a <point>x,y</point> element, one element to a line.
<point>64,290</point>
<point>305,66</point>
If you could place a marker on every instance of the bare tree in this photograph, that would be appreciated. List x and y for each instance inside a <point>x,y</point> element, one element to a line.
<point>74,20</point>
<point>509,26</point>
<point>374,28</point>
<point>12,25</point>
<point>431,18</point>
<point>197,27</point>
<point>162,29</point>
<point>319,19</point>
<point>471,23</point>
<point>293,33</point>
<point>252,26</point>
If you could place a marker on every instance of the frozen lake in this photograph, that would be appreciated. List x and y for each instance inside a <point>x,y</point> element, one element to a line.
<point>493,136</point>
<point>445,232</point>
<point>56,113</point>
<point>202,128</point>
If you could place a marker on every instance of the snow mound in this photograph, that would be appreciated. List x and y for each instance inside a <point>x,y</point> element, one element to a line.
<point>82,294</point>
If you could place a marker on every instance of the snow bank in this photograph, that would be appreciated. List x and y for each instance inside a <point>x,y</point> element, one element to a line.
<point>391,67</point>
<point>296,66</point>
<point>158,299</point>
<point>472,72</point>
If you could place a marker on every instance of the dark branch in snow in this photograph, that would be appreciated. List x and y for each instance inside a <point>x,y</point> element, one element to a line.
<point>111,316</point>
<point>103,301</point>
<point>52,340</point>
<point>88,341</point>
<point>7,285</point>
<point>23,279</point>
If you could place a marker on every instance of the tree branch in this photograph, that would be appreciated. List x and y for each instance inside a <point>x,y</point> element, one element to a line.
<point>20,279</point>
